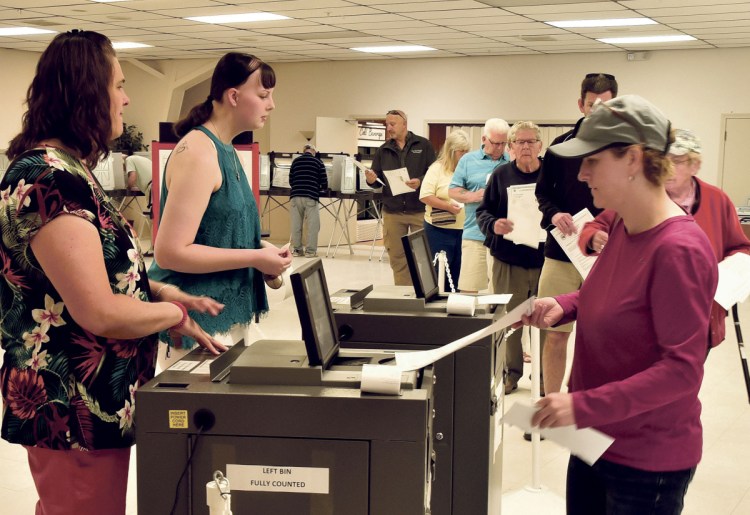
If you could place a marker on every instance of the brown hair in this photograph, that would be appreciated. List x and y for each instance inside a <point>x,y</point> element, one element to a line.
<point>657,167</point>
<point>68,99</point>
<point>598,83</point>
<point>232,70</point>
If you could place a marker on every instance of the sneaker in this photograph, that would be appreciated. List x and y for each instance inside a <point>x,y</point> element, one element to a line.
<point>297,253</point>
<point>510,388</point>
<point>310,254</point>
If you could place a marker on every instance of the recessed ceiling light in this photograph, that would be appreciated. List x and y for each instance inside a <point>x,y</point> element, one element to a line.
<point>23,31</point>
<point>238,18</point>
<point>124,45</point>
<point>647,39</point>
<point>613,22</point>
<point>393,49</point>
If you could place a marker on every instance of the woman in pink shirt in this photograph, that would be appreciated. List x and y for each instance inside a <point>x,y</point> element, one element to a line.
<point>643,319</point>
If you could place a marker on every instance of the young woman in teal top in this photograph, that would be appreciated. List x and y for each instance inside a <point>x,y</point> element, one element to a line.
<point>209,234</point>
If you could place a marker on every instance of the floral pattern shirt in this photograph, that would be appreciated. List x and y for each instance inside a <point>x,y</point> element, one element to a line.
<point>62,386</point>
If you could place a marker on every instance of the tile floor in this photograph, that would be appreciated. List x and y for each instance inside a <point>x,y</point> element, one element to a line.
<point>721,485</point>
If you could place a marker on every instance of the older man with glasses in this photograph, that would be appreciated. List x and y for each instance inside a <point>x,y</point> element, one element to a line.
<point>402,213</point>
<point>468,184</point>
<point>561,195</point>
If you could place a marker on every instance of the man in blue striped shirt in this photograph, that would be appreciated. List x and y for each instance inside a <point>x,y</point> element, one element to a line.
<point>307,178</point>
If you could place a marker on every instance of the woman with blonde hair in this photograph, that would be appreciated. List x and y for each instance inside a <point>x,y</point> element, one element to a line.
<point>444,217</point>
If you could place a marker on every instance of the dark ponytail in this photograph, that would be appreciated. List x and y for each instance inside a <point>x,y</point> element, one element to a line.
<point>231,71</point>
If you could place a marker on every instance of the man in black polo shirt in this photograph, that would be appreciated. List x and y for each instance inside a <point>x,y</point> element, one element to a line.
<point>307,178</point>
<point>405,212</point>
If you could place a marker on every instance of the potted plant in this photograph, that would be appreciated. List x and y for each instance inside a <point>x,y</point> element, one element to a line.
<point>130,141</point>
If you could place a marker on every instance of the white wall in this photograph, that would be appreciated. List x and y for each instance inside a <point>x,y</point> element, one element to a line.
<point>693,87</point>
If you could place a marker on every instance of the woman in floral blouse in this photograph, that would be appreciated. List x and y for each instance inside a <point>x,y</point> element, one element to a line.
<point>77,316</point>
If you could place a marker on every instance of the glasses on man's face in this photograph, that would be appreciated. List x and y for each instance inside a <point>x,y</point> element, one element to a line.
<point>605,75</point>
<point>525,142</point>
<point>396,112</point>
<point>496,143</point>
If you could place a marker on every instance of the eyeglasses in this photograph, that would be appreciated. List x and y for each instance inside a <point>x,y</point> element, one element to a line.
<point>605,75</point>
<point>397,112</point>
<point>679,161</point>
<point>496,143</point>
<point>524,142</point>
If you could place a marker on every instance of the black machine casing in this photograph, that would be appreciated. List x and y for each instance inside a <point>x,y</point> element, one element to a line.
<point>468,398</point>
<point>377,448</point>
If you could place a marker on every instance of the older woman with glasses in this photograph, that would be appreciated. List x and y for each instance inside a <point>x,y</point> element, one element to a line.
<point>711,208</point>
<point>643,315</point>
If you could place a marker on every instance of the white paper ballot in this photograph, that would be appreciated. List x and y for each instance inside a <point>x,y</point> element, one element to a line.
<point>569,244</point>
<point>523,211</point>
<point>414,360</point>
<point>588,444</point>
<point>734,280</point>
<point>495,298</point>
<point>397,181</point>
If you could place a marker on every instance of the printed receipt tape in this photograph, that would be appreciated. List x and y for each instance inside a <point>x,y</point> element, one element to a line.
<point>374,381</point>
<point>381,379</point>
<point>461,304</point>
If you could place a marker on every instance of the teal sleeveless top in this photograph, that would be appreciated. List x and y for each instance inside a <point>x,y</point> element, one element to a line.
<point>231,221</point>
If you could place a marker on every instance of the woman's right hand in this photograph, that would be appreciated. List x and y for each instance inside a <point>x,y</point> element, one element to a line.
<point>272,260</point>
<point>547,312</point>
<point>196,332</point>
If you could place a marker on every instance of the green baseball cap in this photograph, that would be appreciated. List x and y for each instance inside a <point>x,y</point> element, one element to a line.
<point>629,120</point>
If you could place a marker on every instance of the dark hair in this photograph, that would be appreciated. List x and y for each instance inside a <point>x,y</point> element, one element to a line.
<point>69,97</point>
<point>231,71</point>
<point>598,83</point>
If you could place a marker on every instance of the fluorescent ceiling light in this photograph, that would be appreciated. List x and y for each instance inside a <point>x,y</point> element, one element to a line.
<point>613,22</point>
<point>393,49</point>
<point>238,18</point>
<point>647,39</point>
<point>123,45</point>
<point>23,31</point>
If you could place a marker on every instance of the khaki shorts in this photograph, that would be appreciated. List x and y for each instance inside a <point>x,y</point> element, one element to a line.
<point>559,277</point>
<point>474,266</point>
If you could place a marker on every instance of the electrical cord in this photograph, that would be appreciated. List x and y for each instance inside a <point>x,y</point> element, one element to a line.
<point>185,470</point>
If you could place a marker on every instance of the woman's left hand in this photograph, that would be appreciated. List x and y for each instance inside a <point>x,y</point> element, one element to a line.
<point>555,410</point>
<point>201,304</point>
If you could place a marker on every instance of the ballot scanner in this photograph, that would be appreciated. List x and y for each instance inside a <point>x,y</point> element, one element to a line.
<point>467,433</point>
<point>286,423</point>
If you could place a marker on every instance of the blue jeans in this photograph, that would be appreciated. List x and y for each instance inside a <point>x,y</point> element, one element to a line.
<point>307,210</point>
<point>611,489</point>
<point>448,240</point>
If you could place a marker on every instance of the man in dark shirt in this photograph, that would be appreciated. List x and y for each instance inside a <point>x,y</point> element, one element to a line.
<point>405,212</point>
<point>561,195</point>
<point>307,178</point>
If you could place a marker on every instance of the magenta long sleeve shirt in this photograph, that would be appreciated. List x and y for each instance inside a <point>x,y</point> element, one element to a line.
<point>641,341</point>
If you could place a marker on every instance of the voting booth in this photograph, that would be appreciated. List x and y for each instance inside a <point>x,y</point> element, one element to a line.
<point>286,423</point>
<point>467,433</point>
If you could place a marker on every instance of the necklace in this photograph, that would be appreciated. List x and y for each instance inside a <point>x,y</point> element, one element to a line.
<point>234,153</point>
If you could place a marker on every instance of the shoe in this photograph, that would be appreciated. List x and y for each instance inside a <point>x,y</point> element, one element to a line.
<point>526,358</point>
<point>297,253</point>
<point>527,437</point>
<point>510,388</point>
<point>309,254</point>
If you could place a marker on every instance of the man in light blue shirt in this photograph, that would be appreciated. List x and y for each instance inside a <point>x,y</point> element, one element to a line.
<point>469,180</point>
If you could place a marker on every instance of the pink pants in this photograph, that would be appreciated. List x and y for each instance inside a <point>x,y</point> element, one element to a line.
<point>84,483</point>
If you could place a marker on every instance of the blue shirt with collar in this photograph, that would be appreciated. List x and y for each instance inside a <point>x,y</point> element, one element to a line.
<point>472,173</point>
